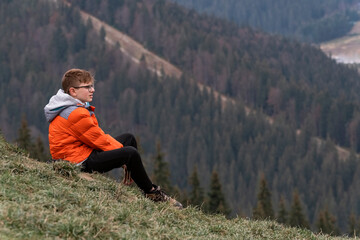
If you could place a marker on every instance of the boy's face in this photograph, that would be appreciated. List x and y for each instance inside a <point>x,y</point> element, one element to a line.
<point>84,92</point>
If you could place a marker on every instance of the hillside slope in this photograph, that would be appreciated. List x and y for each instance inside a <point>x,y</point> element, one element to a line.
<point>39,200</point>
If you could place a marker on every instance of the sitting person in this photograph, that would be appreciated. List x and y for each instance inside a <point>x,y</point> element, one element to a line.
<point>75,136</point>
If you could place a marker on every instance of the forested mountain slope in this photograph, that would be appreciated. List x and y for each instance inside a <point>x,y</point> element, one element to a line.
<point>294,83</point>
<point>135,51</point>
<point>281,77</point>
<point>314,21</point>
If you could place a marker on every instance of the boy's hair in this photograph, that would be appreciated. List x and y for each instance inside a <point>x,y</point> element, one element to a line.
<point>74,77</point>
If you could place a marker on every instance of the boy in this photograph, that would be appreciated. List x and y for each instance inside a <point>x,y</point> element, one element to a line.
<point>75,136</point>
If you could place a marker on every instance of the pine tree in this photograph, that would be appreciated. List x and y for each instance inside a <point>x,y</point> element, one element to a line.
<point>102,34</point>
<point>282,216</point>
<point>352,225</point>
<point>24,137</point>
<point>297,217</point>
<point>197,193</point>
<point>357,230</point>
<point>36,150</point>
<point>263,209</point>
<point>180,195</point>
<point>59,44</point>
<point>326,223</point>
<point>39,151</point>
<point>216,202</point>
<point>161,170</point>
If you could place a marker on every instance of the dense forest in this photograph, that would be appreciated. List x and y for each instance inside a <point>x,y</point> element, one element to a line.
<point>282,78</point>
<point>314,21</point>
<point>309,97</point>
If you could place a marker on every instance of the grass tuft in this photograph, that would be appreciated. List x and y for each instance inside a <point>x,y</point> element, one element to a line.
<point>66,169</point>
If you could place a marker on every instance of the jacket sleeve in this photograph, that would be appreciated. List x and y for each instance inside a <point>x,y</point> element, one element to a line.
<point>89,133</point>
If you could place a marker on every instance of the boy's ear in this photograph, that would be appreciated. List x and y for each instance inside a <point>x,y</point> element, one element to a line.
<point>72,91</point>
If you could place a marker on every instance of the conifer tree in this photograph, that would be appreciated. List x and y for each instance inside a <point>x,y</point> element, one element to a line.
<point>36,150</point>
<point>282,216</point>
<point>39,151</point>
<point>263,209</point>
<point>161,170</point>
<point>326,223</point>
<point>102,34</point>
<point>297,217</point>
<point>197,193</point>
<point>24,137</point>
<point>357,231</point>
<point>180,195</point>
<point>216,201</point>
<point>352,225</point>
<point>59,44</point>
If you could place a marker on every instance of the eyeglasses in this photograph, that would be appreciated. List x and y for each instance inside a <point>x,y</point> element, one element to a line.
<point>88,87</point>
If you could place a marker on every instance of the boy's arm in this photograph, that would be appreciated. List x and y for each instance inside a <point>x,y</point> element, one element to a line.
<point>84,129</point>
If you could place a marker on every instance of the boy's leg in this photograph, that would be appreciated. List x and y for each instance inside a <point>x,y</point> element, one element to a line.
<point>104,161</point>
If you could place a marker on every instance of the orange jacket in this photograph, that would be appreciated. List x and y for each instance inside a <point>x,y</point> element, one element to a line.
<point>74,132</point>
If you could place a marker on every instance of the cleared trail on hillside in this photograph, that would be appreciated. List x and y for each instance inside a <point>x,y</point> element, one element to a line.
<point>134,50</point>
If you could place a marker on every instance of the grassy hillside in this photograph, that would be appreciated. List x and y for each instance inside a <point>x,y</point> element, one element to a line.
<point>40,200</point>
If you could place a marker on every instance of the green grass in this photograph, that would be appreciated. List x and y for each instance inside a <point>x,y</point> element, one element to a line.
<point>55,201</point>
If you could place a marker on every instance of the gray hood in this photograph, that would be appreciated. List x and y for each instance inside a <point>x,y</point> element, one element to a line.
<point>58,103</point>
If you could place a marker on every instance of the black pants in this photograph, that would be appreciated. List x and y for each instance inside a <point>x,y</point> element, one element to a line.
<point>104,161</point>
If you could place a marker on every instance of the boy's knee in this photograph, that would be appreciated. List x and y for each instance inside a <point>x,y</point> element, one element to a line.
<point>134,153</point>
<point>132,140</point>
<point>134,157</point>
<point>127,139</point>
<point>130,136</point>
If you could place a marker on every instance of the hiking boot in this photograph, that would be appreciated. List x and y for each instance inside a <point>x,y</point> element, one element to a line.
<point>158,195</point>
